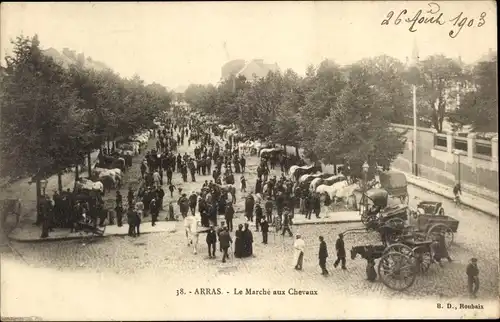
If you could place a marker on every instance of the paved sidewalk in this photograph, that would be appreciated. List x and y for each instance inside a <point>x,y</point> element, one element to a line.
<point>32,234</point>
<point>466,199</point>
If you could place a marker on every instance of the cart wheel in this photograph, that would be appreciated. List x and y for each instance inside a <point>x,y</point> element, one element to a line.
<point>441,228</point>
<point>423,258</point>
<point>399,248</point>
<point>396,223</point>
<point>396,270</point>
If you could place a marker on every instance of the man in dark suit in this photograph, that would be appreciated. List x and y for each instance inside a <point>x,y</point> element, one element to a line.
<point>211,241</point>
<point>339,246</point>
<point>225,241</point>
<point>264,225</point>
<point>229,215</point>
<point>323,254</point>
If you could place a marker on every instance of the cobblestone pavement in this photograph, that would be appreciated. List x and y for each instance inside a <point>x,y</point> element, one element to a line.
<point>164,263</point>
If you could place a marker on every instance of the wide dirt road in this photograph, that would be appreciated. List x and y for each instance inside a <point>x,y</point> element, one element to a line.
<point>138,278</point>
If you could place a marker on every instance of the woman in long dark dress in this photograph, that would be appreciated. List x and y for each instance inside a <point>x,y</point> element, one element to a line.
<point>238,243</point>
<point>247,242</point>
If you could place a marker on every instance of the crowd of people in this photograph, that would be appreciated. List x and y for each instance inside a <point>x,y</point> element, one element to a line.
<point>271,204</point>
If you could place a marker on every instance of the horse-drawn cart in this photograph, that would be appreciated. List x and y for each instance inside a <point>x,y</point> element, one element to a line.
<point>400,262</point>
<point>377,213</point>
<point>431,222</point>
<point>395,184</point>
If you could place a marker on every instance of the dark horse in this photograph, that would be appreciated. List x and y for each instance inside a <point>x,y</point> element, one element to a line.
<point>306,170</point>
<point>368,252</point>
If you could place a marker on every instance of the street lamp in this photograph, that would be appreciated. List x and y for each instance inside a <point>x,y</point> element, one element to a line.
<point>457,153</point>
<point>43,185</point>
<point>365,168</point>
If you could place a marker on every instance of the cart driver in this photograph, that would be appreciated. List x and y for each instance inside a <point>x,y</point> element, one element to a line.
<point>373,210</point>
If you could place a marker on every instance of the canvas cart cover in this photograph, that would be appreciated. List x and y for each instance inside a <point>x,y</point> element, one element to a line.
<point>394,182</point>
<point>378,196</point>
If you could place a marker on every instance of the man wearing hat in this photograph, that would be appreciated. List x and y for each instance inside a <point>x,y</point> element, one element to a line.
<point>339,246</point>
<point>472,272</point>
<point>286,223</point>
<point>323,255</point>
<point>211,241</point>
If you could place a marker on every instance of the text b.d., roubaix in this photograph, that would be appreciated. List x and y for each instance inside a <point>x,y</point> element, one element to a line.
<point>263,291</point>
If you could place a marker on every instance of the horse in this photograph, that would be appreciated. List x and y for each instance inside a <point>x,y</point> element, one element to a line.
<point>368,252</point>
<point>315,184</point>
<point>86,184</point>
<point>269,151</point>
<point>334,179</point>
<point>190,227</point>
<point>296,171</point>
<point>346,194</point>
<point>338,191</point>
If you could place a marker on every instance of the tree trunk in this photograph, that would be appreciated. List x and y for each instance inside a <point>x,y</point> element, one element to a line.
<point>284,148</point>
<point>38,200</point>
<point>107,144</point>
<point>113,145</point>
<point>334,169</point>
<point>76,176</point>
<point>297,151</point>
<point>59,181</point>
<point>89,165</point>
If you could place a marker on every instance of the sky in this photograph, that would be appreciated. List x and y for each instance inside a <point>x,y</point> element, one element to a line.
<point>177,43</point>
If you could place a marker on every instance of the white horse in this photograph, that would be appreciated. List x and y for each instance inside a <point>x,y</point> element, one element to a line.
<point>292,170</point>
<point>87,184</point>
<point>315,184</point>
<point>190,227</point>
<point>307,176</point>
<point>340,191</point>
<point>332,190</point>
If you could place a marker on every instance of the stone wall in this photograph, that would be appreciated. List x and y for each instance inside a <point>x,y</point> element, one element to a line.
<point>447,158</point>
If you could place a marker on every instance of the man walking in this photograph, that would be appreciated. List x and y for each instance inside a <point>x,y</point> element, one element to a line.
<point>193,200</point>
<point>225,241</point>
<point>472,272</point>
<point>243,183</point>
<point>323,255</point>
<point>264,225</point>
<point>299,247</point>
<point>211,241</point>
<point>258,216</point>
<point>269,210</point>
<point>229,214</point>
<point>154,208</point>
<point>131,222</point>
<point>249,205</point>
<point>339,246</point>
<point>286,223</point>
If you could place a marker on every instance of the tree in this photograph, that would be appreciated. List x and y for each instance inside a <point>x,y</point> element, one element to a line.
<point>41,123</point>
<point>321,92</point>
<point>258,105</point>
<point>286,128</point>
<point>479,106</point>
<point>437,77</point>
<point>386,75</point>
<point>356,129</point>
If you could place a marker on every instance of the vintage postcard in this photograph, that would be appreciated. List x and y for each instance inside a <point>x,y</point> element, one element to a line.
<point>249,160</point>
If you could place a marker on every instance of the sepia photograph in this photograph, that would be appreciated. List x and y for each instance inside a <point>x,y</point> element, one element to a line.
<point>257,160</point>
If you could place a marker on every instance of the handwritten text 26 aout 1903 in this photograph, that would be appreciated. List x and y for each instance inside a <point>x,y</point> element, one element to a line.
<point>434,16</point>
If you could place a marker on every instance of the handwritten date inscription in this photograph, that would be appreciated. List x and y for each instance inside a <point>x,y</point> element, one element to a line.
<point>434,16</point>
